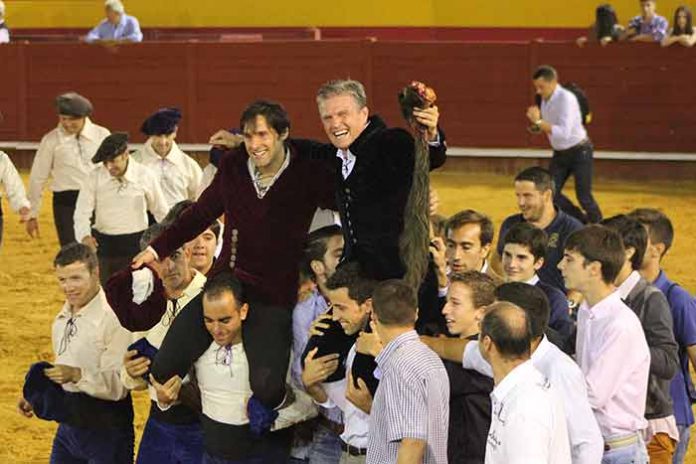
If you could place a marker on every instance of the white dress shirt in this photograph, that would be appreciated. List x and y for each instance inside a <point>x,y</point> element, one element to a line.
<point>615,359</point>
<point>12,183</point>
<point>4,34</point>
<point>586,443</point>
<point>156,334</point>
<point>120,206</point>
<point>94,341</point>
<point>66,158</point>
<point>178,174</point>
<point>223,379</point>
<point>528,423</point>
<point>562,111</point>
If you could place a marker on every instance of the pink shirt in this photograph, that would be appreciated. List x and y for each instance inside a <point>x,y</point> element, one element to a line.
<point>614,357</point>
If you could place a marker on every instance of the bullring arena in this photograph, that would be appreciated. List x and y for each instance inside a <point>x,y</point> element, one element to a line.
<point>212,65</point>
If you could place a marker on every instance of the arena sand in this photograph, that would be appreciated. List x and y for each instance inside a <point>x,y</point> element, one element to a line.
<point>29,296</point>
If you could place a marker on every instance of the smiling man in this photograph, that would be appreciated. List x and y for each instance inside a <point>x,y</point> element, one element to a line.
<point>469,240</point>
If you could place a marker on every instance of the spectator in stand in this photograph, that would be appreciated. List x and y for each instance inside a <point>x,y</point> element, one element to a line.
<point>4,31</point>
<point>118,26</point>
<point>683,30</point>
<point>605,29</point>
<point>648,26</point>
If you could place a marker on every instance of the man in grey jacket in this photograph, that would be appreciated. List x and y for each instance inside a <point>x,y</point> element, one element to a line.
<point>652,308</point>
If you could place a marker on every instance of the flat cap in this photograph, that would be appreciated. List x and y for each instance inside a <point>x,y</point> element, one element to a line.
<point>111,147</point>
<point>163,121</point>
<point>73,104</point>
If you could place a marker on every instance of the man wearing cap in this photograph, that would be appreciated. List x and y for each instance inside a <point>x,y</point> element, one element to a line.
<point>118,192</point>
<point>65,155</point>
<point>118,26</point>
<point>178,174</point>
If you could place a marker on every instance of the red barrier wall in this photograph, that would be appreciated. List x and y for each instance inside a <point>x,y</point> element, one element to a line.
<point>641,95</point>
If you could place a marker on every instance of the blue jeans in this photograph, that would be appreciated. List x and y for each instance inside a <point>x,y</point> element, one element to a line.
<point>272,456</point>
<point>75,445</point>
<point>683,445</point>
<point>636,453</point>
<point>171,443</point>
<point>325,447</point>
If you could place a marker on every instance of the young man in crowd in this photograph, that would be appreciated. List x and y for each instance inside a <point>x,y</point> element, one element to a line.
<point>524,251</point>
<point>223,379</point>
<point>65,155</point>
<point>648,26</point>
<point>178,174</point>
<point>410,412</point>
<point>534,189</point>
<point>88,344</point>
<point>652,308</point>
<point>470,405</point>
<point>350,295</point>
<point>611,348</point>
<point>118,193</point>
<point>683,307</point>
<point>528,421</point>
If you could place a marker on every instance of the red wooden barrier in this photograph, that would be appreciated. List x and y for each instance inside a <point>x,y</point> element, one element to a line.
<point>641,95</point>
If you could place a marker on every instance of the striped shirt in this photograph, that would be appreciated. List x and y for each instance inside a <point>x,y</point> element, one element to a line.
<point>412,401</point>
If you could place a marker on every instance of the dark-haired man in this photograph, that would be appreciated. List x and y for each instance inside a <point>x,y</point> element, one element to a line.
<point>683,307</point>
<point>528,421</point>
<point>561,120</point>
<point>652,308</point>
<point>410,411</point>
<point>534,189</point>
<point>262,189</point>
<point>648,26</point>
<point>88,344</point>
<point>611,348</point>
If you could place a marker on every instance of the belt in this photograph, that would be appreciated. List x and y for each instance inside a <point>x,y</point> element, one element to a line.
<point>574,147</point>
<point>352,450</point>
<point>620,442</point>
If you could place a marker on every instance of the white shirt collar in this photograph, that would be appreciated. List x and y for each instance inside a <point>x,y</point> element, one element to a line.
<point>175,155</point>
<point>534,280</point>
<point>91,310</point>
<point>515,377</point>
<point>628,284</point>
<point>542,348</point>
<point>254,173</point>
<point>484,268</point>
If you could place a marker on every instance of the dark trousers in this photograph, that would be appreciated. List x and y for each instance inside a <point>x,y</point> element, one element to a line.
<point>75,445</point>
<point>171,443</point>
<point>578,162</point>
<point>115,252</point>
<point>270,456</point>
<point>63,211</point>
<point>267,334</point>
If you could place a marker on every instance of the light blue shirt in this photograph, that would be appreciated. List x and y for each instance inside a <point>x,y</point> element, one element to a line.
<point>127,29</point>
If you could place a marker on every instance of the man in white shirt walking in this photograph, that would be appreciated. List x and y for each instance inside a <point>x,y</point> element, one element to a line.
<point>119,192</point>
<point>178,174</point>
<point>560,119</point>
<point>64,154</point>
<point>528,422</point>
<point>14,189</point>
<point>89,344</point>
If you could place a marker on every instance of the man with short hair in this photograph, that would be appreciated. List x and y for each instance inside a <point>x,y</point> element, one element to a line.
<point>611,348</point>
<point>468,296</point>
<point>528,421</point>
<point>118,26</point>
<point>524,251</point>
<point>64,154</point>
<point>178,174</point>
<point>683,307</point>
<point>560,119</point>
<point>652,308</point>
<point>648,26</point>
<point>88,344</point>
<point>410,411</point>
<point>118,193</point>
<point>469,237</point>
<point>534,189</point>
<point>14,189</point>
<point>4,31</point>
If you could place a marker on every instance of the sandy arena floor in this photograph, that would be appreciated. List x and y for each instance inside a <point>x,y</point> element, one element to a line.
<point>29,295</point>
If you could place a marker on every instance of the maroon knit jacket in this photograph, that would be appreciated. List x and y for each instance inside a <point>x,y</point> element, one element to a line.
<point>263,238</point>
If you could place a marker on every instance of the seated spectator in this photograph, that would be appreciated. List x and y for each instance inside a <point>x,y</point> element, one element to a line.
<point>648,26</point>
<point>4,31</point>
<point>683,30</point>
<point>118,26</point>
<point>605,29</point>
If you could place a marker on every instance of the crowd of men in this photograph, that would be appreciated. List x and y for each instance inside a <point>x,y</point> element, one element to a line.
<point>276,337</point>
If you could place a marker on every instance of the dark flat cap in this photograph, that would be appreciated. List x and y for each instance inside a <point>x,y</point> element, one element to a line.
<point>162,122</point>
<point>111,147</point>
<point>334,341</point>
<point>47,398</point>
<point>73,104</point>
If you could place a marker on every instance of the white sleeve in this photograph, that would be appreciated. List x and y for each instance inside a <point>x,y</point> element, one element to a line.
<point>40,172</point>
<point>154,197</point>
<point>473,359</point>
<point>86,200</point>
<point>9,177</point>
<point>195,178</point>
